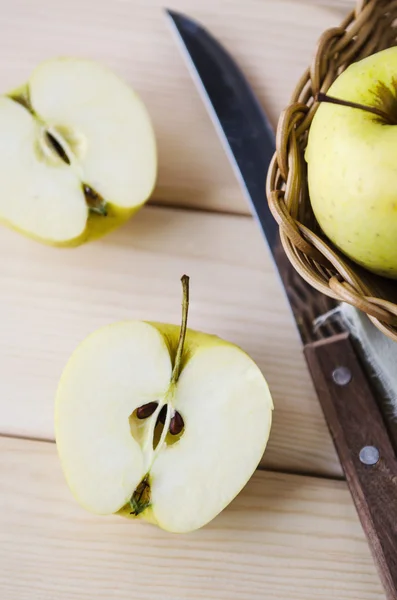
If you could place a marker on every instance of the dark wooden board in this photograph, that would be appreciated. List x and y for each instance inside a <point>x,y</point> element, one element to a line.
<point>355,421</point>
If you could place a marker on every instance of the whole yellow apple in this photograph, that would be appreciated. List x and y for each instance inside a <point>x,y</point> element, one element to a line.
<point>352,164</point>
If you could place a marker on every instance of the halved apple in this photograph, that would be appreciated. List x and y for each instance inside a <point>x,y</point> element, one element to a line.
<point>160,422</point>
<point>77,153</point>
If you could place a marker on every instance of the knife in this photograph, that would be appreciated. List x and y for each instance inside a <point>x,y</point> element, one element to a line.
<point>367,450</point>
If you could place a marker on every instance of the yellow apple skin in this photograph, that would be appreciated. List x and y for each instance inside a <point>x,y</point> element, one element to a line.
<point>97,226</point>
<point>352,166</point>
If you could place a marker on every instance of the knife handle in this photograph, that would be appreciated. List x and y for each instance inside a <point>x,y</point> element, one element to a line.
<point>355,422</point>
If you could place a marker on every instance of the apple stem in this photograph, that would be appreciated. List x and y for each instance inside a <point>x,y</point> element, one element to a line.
<point>185,308</point>
<point>321,97</point>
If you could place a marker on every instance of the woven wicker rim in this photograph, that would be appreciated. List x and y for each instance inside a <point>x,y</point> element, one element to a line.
<point>369,28</point>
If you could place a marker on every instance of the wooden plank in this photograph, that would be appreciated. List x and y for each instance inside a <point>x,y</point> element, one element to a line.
<point>356,422</point>
<point>283,537</point>
<point>51,299</point>
<point>273,40</point>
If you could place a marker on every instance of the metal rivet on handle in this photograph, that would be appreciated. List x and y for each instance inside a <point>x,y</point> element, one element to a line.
<point>342,376</point>
<point>369,455</point>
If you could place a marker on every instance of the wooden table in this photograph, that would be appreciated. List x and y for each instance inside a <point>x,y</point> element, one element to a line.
<point>293,532</point>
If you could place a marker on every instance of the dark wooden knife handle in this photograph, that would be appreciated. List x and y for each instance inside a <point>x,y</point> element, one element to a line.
<point>355,422</point>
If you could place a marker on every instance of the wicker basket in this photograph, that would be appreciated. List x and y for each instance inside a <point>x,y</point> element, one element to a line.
<point>369,28</point>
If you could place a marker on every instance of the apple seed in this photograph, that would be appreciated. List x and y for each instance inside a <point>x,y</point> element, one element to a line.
<point>146,410</point>
<point>176,424</point>
<point>163,414</point>
<point>56,146</point>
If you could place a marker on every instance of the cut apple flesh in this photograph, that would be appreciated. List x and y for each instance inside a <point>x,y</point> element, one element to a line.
<point>107,410</point>
<point>75,140</point>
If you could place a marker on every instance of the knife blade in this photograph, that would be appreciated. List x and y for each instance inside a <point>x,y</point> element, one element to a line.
<point>249,142</point>
<point>351,409</point>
